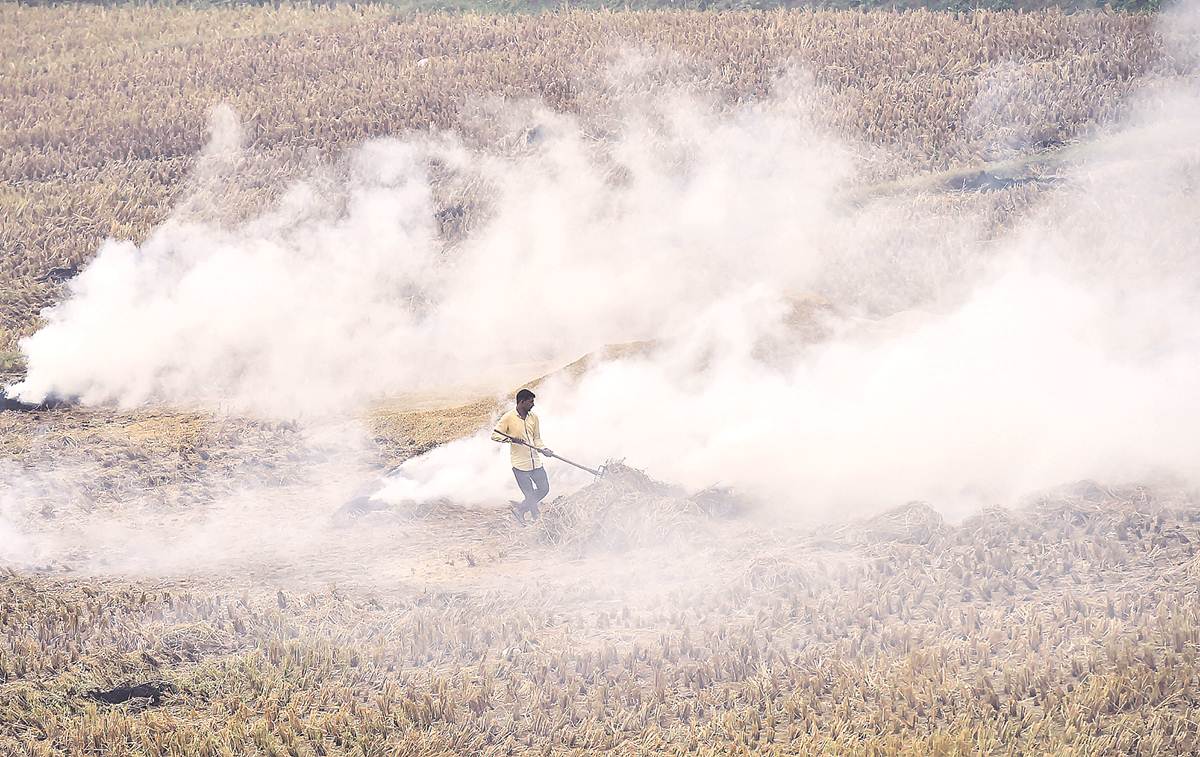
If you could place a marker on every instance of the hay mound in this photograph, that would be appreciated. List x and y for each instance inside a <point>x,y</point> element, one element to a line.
<point>913,523</point>
<point>719,502</point>
<point>626,508</point>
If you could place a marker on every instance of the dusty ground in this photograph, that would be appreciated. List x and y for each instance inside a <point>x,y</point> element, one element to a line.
<point>200,552</point>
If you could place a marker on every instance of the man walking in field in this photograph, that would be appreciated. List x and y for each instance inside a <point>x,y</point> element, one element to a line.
<point>520,429</point>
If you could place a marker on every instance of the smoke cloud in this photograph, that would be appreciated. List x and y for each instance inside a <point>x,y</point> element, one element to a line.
<point>955,366</point>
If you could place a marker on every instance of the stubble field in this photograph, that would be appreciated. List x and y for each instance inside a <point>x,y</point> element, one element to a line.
<point>635,617</point>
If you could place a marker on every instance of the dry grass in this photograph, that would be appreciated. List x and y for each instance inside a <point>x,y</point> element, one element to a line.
<point>625,509</point>
<point>633,619</point>
<point>111,456</point>
<point>102,110</point>
<point>1068,627</point>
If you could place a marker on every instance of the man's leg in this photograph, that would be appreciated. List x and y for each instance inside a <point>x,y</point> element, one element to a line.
<point>525,482</point>
<point>539,479</point>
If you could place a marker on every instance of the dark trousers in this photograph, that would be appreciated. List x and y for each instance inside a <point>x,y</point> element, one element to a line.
<point>534,485</point>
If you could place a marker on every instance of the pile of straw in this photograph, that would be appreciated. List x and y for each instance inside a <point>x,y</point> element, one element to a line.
<point>627,509</point>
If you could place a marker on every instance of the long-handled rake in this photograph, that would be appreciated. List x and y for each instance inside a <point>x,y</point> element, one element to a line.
<point>597,472</point>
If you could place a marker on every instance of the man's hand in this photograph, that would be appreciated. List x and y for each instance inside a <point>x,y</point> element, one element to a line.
<point>547,451</point>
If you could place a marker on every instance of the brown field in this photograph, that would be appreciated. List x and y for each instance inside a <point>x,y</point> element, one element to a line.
<point>102,111</point>
<point>633,618</point>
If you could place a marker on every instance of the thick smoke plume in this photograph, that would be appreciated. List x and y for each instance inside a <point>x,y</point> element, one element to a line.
<point>344,291</point>
<point>954,366</point>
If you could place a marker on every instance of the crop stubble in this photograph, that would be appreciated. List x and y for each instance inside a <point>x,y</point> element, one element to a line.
<point>102,110</point>
<point>1068,626</point>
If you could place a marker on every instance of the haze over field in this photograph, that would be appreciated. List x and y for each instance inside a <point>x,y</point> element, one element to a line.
<point>894,319</point>
<point>959,367</point>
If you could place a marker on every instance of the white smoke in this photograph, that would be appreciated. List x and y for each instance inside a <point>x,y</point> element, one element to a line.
<point>16,497</point>
<point>1069,353</point>
<point>1063,350</point>
<point>327,301</point>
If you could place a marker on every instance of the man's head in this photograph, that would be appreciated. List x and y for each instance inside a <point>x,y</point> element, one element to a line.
<point>524,401</point>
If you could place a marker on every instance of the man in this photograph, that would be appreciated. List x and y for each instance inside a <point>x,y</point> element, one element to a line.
<point>521,425</point>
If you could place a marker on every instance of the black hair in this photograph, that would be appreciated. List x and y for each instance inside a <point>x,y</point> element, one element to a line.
<point>525,394</point>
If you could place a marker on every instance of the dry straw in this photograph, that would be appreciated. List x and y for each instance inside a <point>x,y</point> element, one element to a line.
<point>103,110</point>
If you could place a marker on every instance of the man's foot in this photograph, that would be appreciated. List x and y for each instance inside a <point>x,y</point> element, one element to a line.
<point>517,512</point>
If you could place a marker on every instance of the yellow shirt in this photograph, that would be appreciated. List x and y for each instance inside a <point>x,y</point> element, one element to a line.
<point>526,429</point>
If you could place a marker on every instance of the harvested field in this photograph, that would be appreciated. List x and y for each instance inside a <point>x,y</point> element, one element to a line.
<point>1068,625</point>
<point>194,574</point>
<point>104,112</point>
